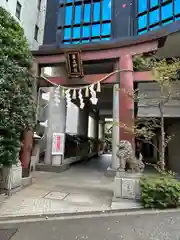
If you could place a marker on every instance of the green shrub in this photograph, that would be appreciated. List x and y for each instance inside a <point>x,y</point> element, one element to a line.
<point>160,192</point>
<point>17,106</point>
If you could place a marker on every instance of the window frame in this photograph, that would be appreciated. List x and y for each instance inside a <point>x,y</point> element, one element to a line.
<point>18,10</point>
<point>91,23</point>
<point>39,4</point>
<point>36,32</point>
<point>153,25</point>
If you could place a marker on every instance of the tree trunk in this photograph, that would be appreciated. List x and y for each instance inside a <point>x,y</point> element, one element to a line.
<point>162,144</point>
<point>26,150</point>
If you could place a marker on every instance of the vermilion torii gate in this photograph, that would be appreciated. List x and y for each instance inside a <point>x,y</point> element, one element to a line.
<point>121,54</point>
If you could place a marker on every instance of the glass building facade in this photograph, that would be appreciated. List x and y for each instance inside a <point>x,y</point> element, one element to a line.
<point>84,21</point>
<point>151,14</point>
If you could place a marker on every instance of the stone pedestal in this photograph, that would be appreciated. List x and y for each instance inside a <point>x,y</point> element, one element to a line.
<point>56,160</point>
<point>12,177</point>
<point>126,185</point>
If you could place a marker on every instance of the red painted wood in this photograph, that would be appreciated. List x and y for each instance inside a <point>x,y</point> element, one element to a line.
<point>25,153</point>
<point>88,79</point>
<point>126,102</point>
<point>101,54</point>
<point>143,76</point>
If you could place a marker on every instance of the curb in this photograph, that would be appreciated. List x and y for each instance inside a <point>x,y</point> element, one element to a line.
<point>70,214</point>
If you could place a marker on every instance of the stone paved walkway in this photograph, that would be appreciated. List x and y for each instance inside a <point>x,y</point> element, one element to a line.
<point>81,188</point>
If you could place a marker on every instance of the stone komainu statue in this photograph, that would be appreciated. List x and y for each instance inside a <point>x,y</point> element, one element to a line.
<point>127,159</point>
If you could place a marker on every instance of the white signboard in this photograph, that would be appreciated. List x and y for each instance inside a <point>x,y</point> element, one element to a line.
<point>58,144</point>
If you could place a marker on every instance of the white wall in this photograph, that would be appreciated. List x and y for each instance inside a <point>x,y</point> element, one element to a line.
<point>72,119</point>
<point>30,16</point>
<point>91,128</point>
<point>101,131</point>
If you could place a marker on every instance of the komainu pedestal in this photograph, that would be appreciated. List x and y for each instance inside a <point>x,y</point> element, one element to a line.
<point>126,185</point>
<point>128,172</point>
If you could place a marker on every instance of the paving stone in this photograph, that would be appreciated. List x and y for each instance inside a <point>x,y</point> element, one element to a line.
<point>6,234</point>
<point>81,199</point>
<point>56,195</point>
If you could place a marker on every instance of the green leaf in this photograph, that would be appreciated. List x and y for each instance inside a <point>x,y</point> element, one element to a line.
<point>17,107</point>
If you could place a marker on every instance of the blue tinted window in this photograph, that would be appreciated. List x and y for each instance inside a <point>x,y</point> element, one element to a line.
<point>68,15</point>
<point>154,28</point>
<point>73,14</point>
<point>96,30</point>
<point>154,16</point>
<point>87,12</point>
<point>86,31</point>
<point>96,15</point>
<point>168,22</point>
<point>106,11</point>
<point>143,32</point>
<point>142,5</point>
<point>85,41</point>
<point>142,21</point>
<point>106,29</point>
<point>77,19</point>
<point>176,6</point>
<point>167,11</point>
<point>67,33</point>
<point>107,38</point>
<point>95,40</point>
<point>153,3</point>
<point>178,18</point>
<point>76,32</point>
<point>75,42</point>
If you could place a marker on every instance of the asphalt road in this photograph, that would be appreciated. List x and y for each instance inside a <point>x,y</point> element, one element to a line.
<point>163,226</point>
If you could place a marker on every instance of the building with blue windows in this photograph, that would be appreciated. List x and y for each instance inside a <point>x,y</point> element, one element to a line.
<point>152,14</point>
<point>86,21</point>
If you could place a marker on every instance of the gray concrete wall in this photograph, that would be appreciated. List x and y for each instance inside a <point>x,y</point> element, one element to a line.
<point>77,120</point>
<point>149,94</point>
<point>56,123</point>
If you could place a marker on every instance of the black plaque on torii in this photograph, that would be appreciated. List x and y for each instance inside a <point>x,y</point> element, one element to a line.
<point>74,64</point>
